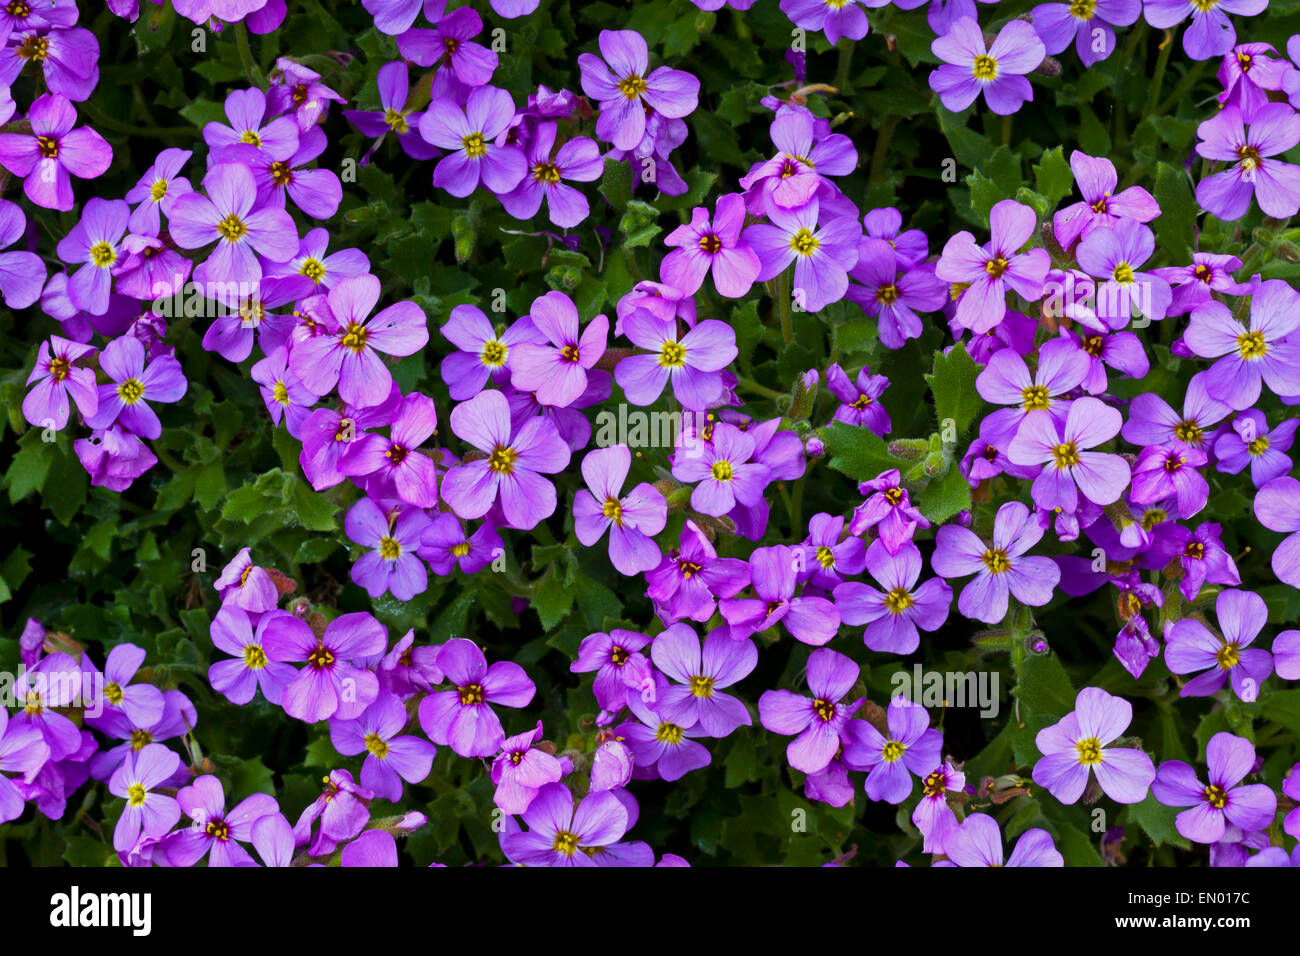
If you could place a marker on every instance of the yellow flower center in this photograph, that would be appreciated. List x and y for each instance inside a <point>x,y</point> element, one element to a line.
<point>1258,446</point>
<point>218,830</point>
<point>1216,797</point>
<point>1066,455</point>
<point>355,338</point>
<point>251,138</point>
<point>1189,432</point>
<point>131,391</point>
<point>471,695</point>
<point>493,354</point>
<point>47,147</point>
<point>887,294</point>
<point>322,658</point>
<point>996,560</point>
<point>546,173</point>
<point>475,145</point>
<point>669,734</point>
<point>1251,345</point>
<point>985,68</point>
<point>824,709</point>
<point>1036,398</point>
<point>502,460</point>
<point>702,686</point>
<point>804,243</point>
<point>140,739</point>
<point>672,355</point>
<point>396,121</point>
<point>1228,656</point>
<point>281,174</point>
<point>1123,274</point>
<point>1083,9</point>
<point>898,600</point>
<point>390,549</point>
<point>722,471</point>
<point>460,550</point>
<point>254,657</point>
<point>632,86</point>
<point>892,751</point>
<point>825,557</point>
<point>231,228</point>
<point>996,267</point>
<point>613,510</point>
<point>34,48</point>
<point>377,745</point>
<point>710,244</point>
<point>1089,750</point>
<point>565,843</point>
<point>135,794</point>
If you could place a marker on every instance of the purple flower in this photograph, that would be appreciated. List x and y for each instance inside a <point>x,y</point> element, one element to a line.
<point>391,756</point>
<point>888,508</point>
<point>461,718</point>
<point>245,585</point>
<point>296,89</point>
<point>349,356</point>
<point>990,270</point>
<point>152,813</point>
<point>1277,507</point>
<point>250,668</point>
<point>391,566</point>
<point>1274,129</point>
<point>1000,568</point>
<point>560,834</point>
<point>343,810</point>
<point>393,462</point>
<point>1224,657</point>
<point>619,665</point>
<point>1088,23</point>
<point>817,720</point>
<point>795,175</point>
<point>135,385</point>
<point>822,252</point>
<point>53,151</point>
<point>578,159</point>
<point>393,116</point>
<point>57,378</point>
<point>1200,553</point>
<point>631,520</point>
<point>693,362</point>
<point>246,110</point>
<point>893,290</point>
<point>661,748</point>
<point>1152,422</point>
<point>331,685</point>
<point>1195,283</point>
<point>141,704</point>
<point>911,747</point>
<point>1261,352</point>
<point>482,353</point>
<point>625,91</point>
<point>1006,380</point>
<point>1250,441</point>
<point>977,841</point>
<point>512,467</point>
<point>521,770</point>
<point>859,399</point>
<point>229,216</point>
<point>1078,745</point>
<point>689,581</point>
<point>1067,467</point>
<point>317,192</point>
<point>835,18</point>
<point>157,191</point>
<point>450,44</point>
<point>393,16</point>
<point>1224,801</point>
<point>93,243</point>
<point>825,559</point>
<point>556,369</point>
<point>812,620</point>
<point>284,395</point>
<point>1211,33</point>
<point>22,274</point>
<point>213,829</point>
<point>1115,255</point>
<point>998,71</point>
<point>893,613</point>
<point>251,316</point>
<point>701,674</point>
<point>724,470</point>
<point>716,245</point>
<point>468,135</point>
<point>932,816</point>
<point>445,546</point>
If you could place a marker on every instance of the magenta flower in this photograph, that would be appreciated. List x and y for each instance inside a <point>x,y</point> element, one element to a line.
<point>284,395</point>
<point>689,581</point>
<point>230,217</point>
<point>157,191</point>
<point>94,244</point>
<point>450,44</point>
<point>53,152</point>
<point>631,520</point>
<point>521,770</point>
<point>135,385</point>
<point>1171,471</point>
<point>822,252</point>
<point>998,71</point>
<point>619,665</point>
<point>22,274</point>
<point>990,270</point>
<point>1068,468</point>
<point>700,675</point>
<point>560,834</point>
<point>557,372</point>
<point>145,811</point>
<point>22,750</point>
<point>391,756</point>
<point>395,460</point>
<point>578,159</point>
<point>835,18</point>
<point>1078,746</point>
<point>141,704</point>
<point>911,747</point>
<point>215,833</point>
<point>817,720</point>
<point>1225,800</point>
<point>391,565</point>
<point>246,110</point>
<point>1274,129</point>
<point>249,668</point>
<point>725,471</point>
<point>893,613</point>
<point>627,92</point>
<point>715,245</point>
<point>825,560</point>
<point>349,357</point>
<point>1006,380</point>
<point>1262,352</point>
<point>1001,568</point>
<point>693,363</point>
<point>1225,657</point>
<point>57,378</point>
<point>892,291</point>
<point>461,718</point>
<point>797,172</point>
<point>331,685</point>
<point>977,841</point>
<point>1101,207</point>
<point>245,585</point>
<point>810,619</point>
<point>468,134</point>
<point>660,748</point>
<point>512,467</point>
<point>888,508</point>
<point>1211,33</point>
<point>1251,442</point>
<point>324,271</point>
<point>859,399</point>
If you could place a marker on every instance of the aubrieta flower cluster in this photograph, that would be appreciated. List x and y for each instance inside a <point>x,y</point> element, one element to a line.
<point>1070,465</point>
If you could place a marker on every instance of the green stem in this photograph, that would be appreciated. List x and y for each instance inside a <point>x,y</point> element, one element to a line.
<point>166,458</point>
<point>880,154</point>
<point>1006,130</point>
<point>1251,259</point>
<point>783,306</point>
<point>750,385</point>
<point>1184,85</point>
<point>251,69</point>
<point>1158,78</point>
<point>845,47</point>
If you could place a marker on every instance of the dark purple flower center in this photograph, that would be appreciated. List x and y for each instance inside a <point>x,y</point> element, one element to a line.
<point>321,659</point>
<point>471,695</point>
<point>824,709</point>
<point>218,830</point>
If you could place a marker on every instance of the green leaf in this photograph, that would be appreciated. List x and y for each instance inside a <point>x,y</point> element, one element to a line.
<point>616,184</point>
<point>1053,176</point>
<point>553,600</point>
<point>856,451</point>
<point>1176,224</point>
<point>1157,822</point>
<point>1043,687</point>
<point>953,385</point>
<point>944,496</point>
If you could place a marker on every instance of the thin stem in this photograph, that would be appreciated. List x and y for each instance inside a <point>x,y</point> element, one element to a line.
<point>845,47</point>
<point>1184,85</point>
<point>1157,80</point>
<point>251,69</point>
<point>753,386</point>
<point>881,152</point>
<point>783,306</point>
<point>1006,130</point>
